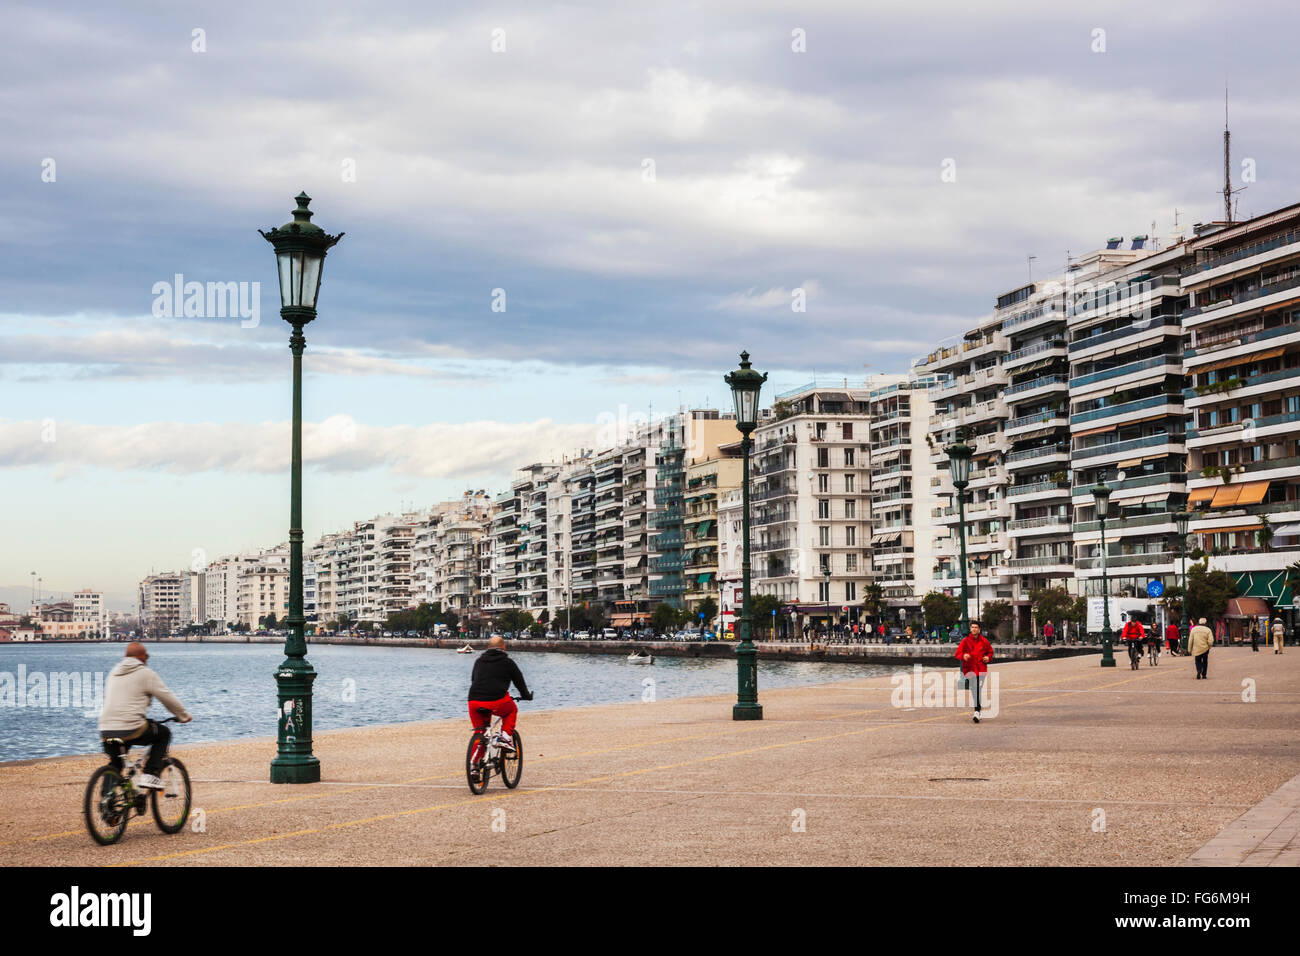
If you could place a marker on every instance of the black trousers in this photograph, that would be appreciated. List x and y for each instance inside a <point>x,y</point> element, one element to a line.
<point>156,735</point>
<point>1202,664</point>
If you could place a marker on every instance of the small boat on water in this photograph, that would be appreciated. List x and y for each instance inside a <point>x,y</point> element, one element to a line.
<point>465,650</point>
<point>640,657</point>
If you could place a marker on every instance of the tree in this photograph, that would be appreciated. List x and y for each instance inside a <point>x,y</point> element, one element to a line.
<point>1208,592</point>
<point>940,611</point>
<point>996,613</point>
<point>269,622</point>
<point>514,620</point>
<point>1051,604</point>
<point>761,607</point>
<point>873,600</point>
<point>709,608</point>
<point>664,618</point>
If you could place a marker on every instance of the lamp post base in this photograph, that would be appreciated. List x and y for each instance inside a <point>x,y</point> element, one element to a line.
<point>295,770</point>
<point>1108,662</point>
<point>747,712</point>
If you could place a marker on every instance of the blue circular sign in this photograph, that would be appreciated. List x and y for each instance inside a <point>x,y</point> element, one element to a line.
<point>1155,588</point>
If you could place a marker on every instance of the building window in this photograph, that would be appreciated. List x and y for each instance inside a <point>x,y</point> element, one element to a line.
<point>824,508</point>
<point>824,536</point>
<point>851,591</point>
<point>823,483</point>
<point>823,457</point>
<point>848,430</point>
<point>848,458</point>
<point>850,562</point>
<point>848,484</point>
<point>850,509</point>
<point>823,592</point>
<point>850,533</point>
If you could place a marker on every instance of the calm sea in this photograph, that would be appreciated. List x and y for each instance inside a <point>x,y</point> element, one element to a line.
<point>230,690</point>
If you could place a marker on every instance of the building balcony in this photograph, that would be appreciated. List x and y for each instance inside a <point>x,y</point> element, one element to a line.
<point>1156,327</point>
<point>1163,404</point>
<point>1092,455</point>
<point>1036,352</point>
<point>1167,365</point>
<point>1041,421</point>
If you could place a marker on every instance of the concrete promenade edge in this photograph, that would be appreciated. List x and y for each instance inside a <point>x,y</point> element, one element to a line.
<point>1080,766</point>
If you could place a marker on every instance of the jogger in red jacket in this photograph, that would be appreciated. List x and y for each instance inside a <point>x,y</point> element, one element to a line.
<point>975,652</point>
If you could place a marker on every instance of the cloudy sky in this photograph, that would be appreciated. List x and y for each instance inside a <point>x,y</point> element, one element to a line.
<point>648,186</point>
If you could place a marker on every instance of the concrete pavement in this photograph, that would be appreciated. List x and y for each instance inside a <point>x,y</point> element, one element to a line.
<point>1082,766</point>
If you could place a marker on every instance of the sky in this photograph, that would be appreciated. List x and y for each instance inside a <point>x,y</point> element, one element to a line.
<point>557,218</point>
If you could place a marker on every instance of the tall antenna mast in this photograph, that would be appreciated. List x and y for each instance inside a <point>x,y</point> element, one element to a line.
<point>1227,160</point>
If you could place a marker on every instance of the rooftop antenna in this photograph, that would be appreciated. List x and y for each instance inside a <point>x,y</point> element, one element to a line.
<point>1029,261</point>
<point>1228,203</point>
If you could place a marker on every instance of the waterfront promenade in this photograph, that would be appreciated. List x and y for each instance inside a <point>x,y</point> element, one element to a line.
<point>1081,766</point>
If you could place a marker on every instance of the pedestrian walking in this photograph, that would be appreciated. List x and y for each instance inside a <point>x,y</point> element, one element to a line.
<point>974,652</point>
<point>1279,635</point>
<point>1254,636</point>
<point>1202,639</point>
<point>1049,633</point>
<point>1172,638</point>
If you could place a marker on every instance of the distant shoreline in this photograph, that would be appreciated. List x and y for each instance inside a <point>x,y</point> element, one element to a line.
<point>795,651</point>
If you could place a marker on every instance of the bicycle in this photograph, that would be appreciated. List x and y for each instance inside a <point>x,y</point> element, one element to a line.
<point>111,796</point>
<point>1134,653</point>
<point>1153,653</point>
<point>485,756</point>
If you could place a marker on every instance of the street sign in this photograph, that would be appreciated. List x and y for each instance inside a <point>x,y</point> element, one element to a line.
<point>1155,589</point>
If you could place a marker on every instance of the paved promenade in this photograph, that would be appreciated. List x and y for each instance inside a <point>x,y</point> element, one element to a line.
<point>1081,766</point>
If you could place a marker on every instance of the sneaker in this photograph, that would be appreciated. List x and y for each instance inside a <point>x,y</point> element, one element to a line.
<point>147,781</point>
<point>976,717</point>
<point>506,742</point>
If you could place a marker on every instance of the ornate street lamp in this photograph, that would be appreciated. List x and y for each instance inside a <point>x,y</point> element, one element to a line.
<point>1183,521</point>
<point>959,457</point>
<point>745,385</point>
<point>300,248</point>
<point>1101,497</point>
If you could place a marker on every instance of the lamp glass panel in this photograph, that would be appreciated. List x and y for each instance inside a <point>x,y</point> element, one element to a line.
<point>284,260</point>
<point>310,279</point>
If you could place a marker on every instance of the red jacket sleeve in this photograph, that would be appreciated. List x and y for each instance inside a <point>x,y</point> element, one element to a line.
<point>961,648</point>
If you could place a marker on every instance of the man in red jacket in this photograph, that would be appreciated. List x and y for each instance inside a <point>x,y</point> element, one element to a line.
<point>1133,635</point>
<point>975,652</point>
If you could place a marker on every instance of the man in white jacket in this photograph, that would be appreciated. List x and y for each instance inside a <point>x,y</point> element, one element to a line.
<point>130,689</point>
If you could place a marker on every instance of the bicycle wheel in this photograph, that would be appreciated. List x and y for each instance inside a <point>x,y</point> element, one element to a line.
<point>171,804</point>
<point>512,764</point>
<point>476,771</point>
<point>106,807</point>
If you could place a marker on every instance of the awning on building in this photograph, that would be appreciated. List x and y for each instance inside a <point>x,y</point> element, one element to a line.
<point>1143,499</point>
<point>1253,493</point>
<point>1225,496</point>
<point>1286,530</point>
<point>890,538</point>
<point>1269,585</point>
<point>1247,607</point>
<point>1200,494</point>
<point>1230,530</point>
<point>1095,431</point>
<point>704,578</point>
<point>621,620</point>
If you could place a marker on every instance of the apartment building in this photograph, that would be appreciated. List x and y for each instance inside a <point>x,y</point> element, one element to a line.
<point>902,480</point>
<point>1127,413</point>
<point>262,588</point>
<point>221,591</point>
<point>160,603</point>
<point>1241,355</point>
<point>88,611</point>
<point>706,481</point>
<point>970,401</point>
<point>730,558</point>
<point>810,503</point>
<point>639,483</point>
<point>192,606</point>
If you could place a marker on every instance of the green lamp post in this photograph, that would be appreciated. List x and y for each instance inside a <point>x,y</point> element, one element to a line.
<point>1101,497</point>
<point>959,460</point>
<point>826,573</point>
<point>300,248</point>
<point>1183,521</point>
<point>745,385</point>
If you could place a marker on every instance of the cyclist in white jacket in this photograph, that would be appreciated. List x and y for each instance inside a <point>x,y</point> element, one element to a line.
<point>130,689</point>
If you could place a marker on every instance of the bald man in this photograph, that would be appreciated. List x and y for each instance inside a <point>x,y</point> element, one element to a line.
<point>130,689</point>
<point>489,690</point>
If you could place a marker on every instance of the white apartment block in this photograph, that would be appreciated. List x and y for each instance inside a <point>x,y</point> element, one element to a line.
<point>811,505</point>
<point>904,484</point>
<point>1127,413</point>
<point>262,588</point>
<point>160,603</point>
<point>192,598</point>
<point>88,611</point>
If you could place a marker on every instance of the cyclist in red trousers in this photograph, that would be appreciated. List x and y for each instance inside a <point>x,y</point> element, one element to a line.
<point>489,691</point>
<point>975,652</point>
